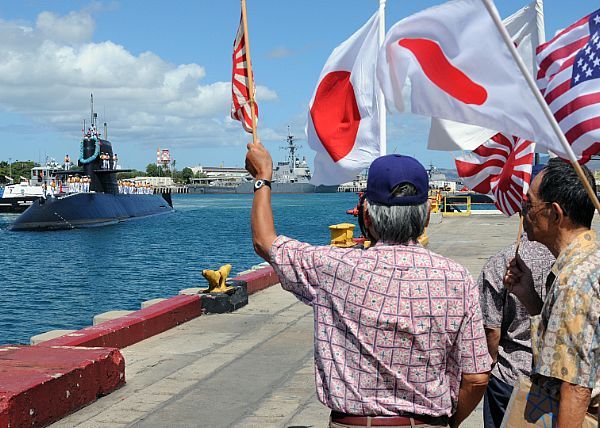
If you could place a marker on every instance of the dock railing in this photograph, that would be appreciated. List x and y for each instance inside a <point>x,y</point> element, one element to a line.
<point>459,206</point>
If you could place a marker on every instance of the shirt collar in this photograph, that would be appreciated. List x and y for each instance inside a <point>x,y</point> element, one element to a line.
<point>584,241</point>
<point>395,244</point>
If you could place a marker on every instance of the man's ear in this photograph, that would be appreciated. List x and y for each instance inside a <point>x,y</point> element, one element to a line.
<point>366,217</point>
<point>557,215</point>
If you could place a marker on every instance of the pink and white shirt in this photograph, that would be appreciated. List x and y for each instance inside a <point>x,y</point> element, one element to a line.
<point>395,325</point>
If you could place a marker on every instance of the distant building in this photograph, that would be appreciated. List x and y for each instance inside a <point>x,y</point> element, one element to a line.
<point>213,174</point>
<point>163,158</point>
<point>155,181</point>
<point>446,185</point>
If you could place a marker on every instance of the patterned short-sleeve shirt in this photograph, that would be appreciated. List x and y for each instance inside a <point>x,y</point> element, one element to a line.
<point>395,325</point>
<point>566,335</point>
<point>502,310</point>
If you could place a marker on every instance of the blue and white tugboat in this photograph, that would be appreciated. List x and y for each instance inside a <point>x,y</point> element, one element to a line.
<point>99,202</point>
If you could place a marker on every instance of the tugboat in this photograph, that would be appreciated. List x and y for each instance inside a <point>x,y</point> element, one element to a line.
<point>17,197</point>
<point>101,204</point>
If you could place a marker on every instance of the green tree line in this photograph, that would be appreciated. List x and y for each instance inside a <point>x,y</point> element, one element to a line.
<point>23,168</point>
<point>15,170</point>
<point>152,170</point>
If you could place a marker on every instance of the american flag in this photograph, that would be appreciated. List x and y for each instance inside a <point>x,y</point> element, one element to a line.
<point>240,92</point>
<point>568,77</point>
<point>500,167</point>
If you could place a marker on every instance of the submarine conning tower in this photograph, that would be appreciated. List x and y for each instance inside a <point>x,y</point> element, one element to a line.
<point>101,179</point>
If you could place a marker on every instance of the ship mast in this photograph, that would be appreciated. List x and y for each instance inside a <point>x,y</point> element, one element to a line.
<point>93,116</point>
<point>91,109</point>
<point>291,147</point>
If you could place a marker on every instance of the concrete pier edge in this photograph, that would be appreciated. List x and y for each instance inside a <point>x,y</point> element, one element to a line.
<point>104,338</point>
<point>41,384</point>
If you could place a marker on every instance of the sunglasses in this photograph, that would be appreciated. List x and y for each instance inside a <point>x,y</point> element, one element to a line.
<point>528,206</point>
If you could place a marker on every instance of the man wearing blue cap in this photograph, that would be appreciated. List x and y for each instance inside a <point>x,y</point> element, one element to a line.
<point>399,339</point>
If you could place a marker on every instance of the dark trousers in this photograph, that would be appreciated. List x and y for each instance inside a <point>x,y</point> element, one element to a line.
<point>495,401</point>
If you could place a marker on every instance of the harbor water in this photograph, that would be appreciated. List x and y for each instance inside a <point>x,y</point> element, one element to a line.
<point>59,280</point>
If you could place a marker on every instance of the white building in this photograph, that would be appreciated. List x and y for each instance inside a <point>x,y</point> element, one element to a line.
<point>447,185</point>
<point>155,181</point>
<point>219,174</point>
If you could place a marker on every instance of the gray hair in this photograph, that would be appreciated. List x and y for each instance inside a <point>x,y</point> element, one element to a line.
<point>399,224</point>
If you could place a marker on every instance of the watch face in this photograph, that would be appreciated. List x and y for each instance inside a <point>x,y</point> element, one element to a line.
<point>258,184</point>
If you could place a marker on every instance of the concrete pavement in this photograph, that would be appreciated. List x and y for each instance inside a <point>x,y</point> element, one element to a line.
<point>254,367</point>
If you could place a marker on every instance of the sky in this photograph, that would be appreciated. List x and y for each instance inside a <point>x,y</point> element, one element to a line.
<point>160,73</point>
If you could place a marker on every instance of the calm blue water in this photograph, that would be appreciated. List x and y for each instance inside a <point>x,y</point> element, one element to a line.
<point>59,280</point>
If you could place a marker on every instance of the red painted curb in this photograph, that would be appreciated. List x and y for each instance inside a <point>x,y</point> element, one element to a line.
<point>259,279</point>
<point>135,327</point>
<point>40,385</point>
<point>34,380</point>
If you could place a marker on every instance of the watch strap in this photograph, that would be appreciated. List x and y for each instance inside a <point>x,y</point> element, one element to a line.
<point>264,182</point>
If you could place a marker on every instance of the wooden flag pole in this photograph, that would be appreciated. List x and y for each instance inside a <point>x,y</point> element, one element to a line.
<point>380,98</point>
<point>518,244</point>
<point>251,90</point>
<point>542,102</point>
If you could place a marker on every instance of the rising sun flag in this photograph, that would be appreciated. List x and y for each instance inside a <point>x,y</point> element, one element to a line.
<point>501,168</point>
<point>243,106</point>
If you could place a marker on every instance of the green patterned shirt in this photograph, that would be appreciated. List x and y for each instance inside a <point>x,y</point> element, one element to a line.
<point>566,335</point>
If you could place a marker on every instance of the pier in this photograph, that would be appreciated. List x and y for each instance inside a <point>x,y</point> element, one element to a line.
<point>254,367</point>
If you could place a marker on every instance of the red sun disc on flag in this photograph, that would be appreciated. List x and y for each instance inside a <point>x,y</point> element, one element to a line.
<point>442,73</point>
<point>335,114</point>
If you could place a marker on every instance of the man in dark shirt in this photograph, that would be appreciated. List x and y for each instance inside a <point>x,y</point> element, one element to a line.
<point>507,325</point>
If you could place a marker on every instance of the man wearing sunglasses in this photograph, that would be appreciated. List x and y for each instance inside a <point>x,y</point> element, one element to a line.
<point>565,330</point>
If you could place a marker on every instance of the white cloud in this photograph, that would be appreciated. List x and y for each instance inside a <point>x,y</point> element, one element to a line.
<point>48,70</point>
<point>280,52</point>
<point>73,28</point>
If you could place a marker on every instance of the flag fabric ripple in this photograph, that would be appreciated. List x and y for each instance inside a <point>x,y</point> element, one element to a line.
<point>569,78</point>
<point>500,167</point>
<point>526,29</point>
<point>343,118</point>
<point>240,92</point>
<point>474,78</point>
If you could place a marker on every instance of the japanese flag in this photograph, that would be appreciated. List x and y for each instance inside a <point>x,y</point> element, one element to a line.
<point>343,125</point>
<point>526,28</point>
<point>460,69</point>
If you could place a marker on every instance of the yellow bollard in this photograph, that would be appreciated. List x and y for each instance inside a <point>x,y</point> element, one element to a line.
<point>341,235</point>
<point>217,279</point>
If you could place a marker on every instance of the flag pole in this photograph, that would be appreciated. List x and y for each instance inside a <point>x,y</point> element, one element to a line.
<point>519,233</point>
<point>380,98</point>
<point>541,35</point>
<point>542,102</point>
<point>251,88</point>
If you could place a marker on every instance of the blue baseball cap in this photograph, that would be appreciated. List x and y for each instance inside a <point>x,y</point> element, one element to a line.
<point>387,172</point>
<point>536,169</point>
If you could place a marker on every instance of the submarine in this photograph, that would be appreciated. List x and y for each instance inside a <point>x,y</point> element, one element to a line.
<point>102,204</point>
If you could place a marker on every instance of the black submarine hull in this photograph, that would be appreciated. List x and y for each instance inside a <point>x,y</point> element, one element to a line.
<point>89,210</point>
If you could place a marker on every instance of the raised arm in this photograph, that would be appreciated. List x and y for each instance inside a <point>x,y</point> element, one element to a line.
<point>260,165</point>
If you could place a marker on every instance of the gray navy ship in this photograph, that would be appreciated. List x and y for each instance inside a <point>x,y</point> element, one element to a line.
<point>101,204</point>
<point>289,176</point>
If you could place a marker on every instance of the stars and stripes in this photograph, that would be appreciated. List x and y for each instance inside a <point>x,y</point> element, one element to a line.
<point>568,76</point>
<point>240,84</point>
<point>500,167</point>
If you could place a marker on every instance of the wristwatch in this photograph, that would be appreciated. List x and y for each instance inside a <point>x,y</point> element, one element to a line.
<point>260,183</point>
